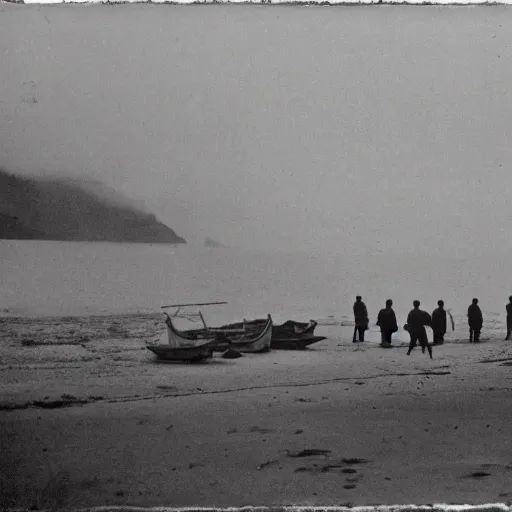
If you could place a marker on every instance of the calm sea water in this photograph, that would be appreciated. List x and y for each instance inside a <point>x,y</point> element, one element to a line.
<point>72,278</point>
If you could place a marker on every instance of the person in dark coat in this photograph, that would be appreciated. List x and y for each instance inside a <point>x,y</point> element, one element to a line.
<point>360,318</point>
<point>439,323</point>
<point>475,321</point>
<point>386,320</point>
<point>416,322</point>
<point>509,318</point>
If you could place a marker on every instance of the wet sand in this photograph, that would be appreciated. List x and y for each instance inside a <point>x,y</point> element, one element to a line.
<point>380,427</point>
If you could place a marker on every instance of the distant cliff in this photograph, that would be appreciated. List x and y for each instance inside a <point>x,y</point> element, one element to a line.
<point>59,209</point>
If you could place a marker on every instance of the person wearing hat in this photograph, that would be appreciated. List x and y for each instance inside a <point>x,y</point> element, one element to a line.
<point>360,318</point>
<point>386,320</point>
<point>416,322</point>
<point>439,323</point>
<point>509,318</point>
<point>475,321</point>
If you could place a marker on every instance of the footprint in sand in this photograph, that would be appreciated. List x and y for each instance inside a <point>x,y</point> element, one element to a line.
<point>267,464</point>
<point>303,469</point>
<point>260,430</point>
<point>315,469</point>
<point>349,486</point>
<point>354,461</point>
<point>327,468</point>
<point>478,475</point>
<point>310,452</point>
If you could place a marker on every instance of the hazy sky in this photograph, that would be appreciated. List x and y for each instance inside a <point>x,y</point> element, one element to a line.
<point>363,128</point>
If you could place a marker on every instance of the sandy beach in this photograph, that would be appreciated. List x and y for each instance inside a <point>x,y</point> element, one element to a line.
<point>89,418</point>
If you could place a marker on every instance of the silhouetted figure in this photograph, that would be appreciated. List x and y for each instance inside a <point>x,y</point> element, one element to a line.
<point>509,318</point>
<point>416,322</point>
<point>475,321</point>
<point>360,318</point>
<point>439,323</point>
<point>386,320</point>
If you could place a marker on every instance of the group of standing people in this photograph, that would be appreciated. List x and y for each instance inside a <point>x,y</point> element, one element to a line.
<point>417,320</point>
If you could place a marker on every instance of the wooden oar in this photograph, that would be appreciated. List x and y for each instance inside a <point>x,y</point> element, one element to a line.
<point>451,318</point>
<point>198,304</point>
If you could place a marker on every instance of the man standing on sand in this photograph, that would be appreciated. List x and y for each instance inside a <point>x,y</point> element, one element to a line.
<point>509,318</point>
<point>360,318</point>
<point>386,320</point>
<point>475,321</point>
<point>439,323</point>
<point>416,322</point>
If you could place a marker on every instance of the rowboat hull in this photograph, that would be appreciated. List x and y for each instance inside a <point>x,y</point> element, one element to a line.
<point>288,336</point>
<point>295,343</point>
<point>294,335</point>
<point>257,339</point>
<point>192,354</point>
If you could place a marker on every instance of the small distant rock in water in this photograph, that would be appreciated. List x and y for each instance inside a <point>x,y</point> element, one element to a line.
<point>231,353</point>
<point>209,242</point>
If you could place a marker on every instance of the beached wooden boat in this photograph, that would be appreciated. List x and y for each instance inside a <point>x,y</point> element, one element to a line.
<point>294,335</point>
<point>193,345</point>
<point>247,336</point>
<point>288,336</point>
<point>196,344</point>
<point>292,329</point>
